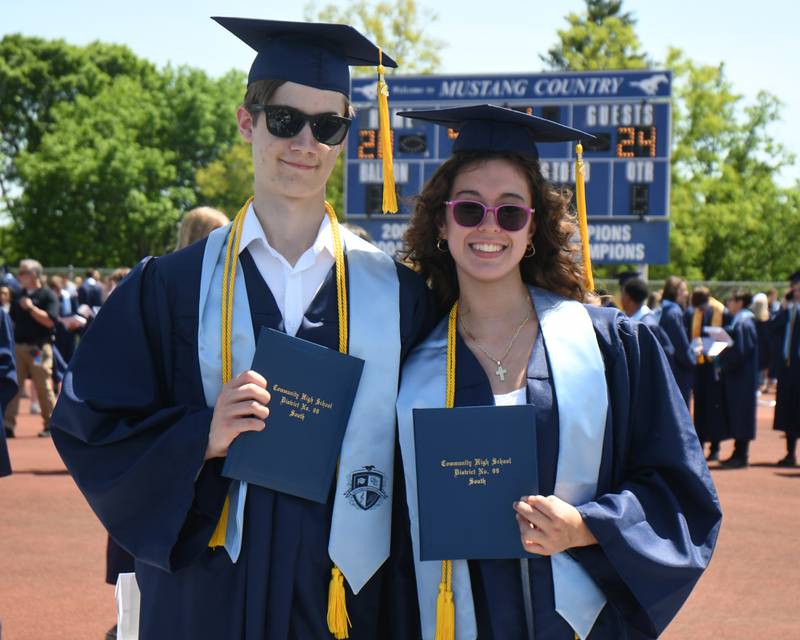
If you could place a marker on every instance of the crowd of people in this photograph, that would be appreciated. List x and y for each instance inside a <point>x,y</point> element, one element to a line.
<point>723,386</point>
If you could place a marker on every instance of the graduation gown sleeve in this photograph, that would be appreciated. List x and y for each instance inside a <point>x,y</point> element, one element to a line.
<point>8,383</point>
<point>134,451</point>
<point>657,514</point>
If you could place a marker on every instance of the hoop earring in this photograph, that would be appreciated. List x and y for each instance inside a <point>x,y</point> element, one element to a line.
<point>530,249</point>
<point>439,245</point>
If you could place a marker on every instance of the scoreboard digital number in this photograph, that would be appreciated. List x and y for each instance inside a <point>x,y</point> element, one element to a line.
<point>627,163</point>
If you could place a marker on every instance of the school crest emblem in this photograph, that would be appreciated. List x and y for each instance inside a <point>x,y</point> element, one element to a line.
<point>366,488</point>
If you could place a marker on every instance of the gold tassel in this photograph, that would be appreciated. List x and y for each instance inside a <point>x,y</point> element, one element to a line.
<point>338,620</point>
<point>385,141</point>
<point>580,196</point>
<point>218,539</point>
<point>445,608</point>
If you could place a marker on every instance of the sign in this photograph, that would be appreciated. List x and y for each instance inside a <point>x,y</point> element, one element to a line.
<point>627,167</point>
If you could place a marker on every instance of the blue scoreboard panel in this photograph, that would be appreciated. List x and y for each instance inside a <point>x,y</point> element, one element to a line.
<point>627,166</point>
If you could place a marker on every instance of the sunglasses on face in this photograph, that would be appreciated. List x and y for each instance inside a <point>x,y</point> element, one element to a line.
<point>511,217</point>
<point>287,122</point>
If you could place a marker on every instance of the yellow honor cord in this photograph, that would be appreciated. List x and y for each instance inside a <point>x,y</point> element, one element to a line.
<point>228,278</point>
<point>338,619</point>
<point>580,197</point>
<point>385,141</point>
<point>445,606</point>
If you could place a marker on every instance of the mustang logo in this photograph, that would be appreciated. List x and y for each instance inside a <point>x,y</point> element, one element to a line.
<point>650,85</point>
<point>366,488</point>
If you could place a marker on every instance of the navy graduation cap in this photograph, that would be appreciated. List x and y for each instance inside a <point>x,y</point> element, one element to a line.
<point>487,127</point>
<point>315,54</point>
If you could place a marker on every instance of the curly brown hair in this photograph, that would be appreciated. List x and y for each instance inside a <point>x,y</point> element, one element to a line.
<point>554,266</point>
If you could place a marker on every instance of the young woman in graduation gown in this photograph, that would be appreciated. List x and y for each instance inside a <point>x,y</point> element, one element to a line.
<point>628,516</point>
<point>160,386</point>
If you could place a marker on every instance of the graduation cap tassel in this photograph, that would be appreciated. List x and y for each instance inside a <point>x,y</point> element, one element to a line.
<point>580,195</point>
<point>385,141</point>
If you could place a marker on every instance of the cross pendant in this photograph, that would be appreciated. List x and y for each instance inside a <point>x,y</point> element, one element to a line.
<point>501,372</point>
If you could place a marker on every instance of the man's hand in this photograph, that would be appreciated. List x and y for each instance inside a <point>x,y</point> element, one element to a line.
<point>241,406</point>
<point>548,525</point>
<point>26,304</point>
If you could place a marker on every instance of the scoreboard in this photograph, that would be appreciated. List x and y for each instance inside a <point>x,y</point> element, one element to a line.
<point>627,166</point>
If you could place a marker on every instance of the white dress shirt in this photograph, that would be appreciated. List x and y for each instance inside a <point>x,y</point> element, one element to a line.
<point>293,287</point>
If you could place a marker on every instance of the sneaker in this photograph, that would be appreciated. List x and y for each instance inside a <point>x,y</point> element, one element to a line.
<point>9,432</point>
<point>45,433</point>
<point>35,409</point>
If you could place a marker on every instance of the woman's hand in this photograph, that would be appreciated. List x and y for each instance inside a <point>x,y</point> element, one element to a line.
<point>241,406</point>
<point>548,525</point>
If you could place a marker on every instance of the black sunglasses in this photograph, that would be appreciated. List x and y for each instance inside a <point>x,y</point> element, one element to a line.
<point>287,122</point>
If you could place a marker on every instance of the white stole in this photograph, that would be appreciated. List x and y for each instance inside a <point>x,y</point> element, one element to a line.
<point>579,379</point>
<point>360,528</point>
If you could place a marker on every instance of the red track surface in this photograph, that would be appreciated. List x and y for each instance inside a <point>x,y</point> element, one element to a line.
<point>52,550</point>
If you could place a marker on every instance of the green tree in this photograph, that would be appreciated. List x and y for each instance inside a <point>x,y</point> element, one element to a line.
<point>730,218</point>
<point>36,75</point>
<point>105,172</point>
<point>398,26</point>
<point>602,37</point>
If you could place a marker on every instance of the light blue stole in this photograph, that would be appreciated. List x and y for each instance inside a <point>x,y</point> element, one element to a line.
<point>360,529</point>
<point>582,398</point>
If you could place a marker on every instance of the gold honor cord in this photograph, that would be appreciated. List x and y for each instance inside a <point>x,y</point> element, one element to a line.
<point>580,196</point>
<point>338,619</point>
<point>445,607</point>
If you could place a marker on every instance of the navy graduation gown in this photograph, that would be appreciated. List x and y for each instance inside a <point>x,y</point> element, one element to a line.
<point>653,323</point>
<point>656,516</point>
<point>787,397</point>
<point>132,427</point>
<point>683,361</point>
<point>739,364</point>
<point>8,383</point>
<point>709,401</point>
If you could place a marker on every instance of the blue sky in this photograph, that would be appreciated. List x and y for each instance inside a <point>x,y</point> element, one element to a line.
<point>760,51</point>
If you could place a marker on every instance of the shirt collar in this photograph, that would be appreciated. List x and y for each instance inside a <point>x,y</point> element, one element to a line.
<point>641,312</point>
<point>252,231</point>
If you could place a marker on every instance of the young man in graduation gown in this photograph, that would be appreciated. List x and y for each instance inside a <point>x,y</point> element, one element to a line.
<point>144,427</point>
<point>787,399</point>
<point>673,301</point>
<point>740,378</point>
<point>709,415</point>
<point>8,383</point>
<point>632,298</point>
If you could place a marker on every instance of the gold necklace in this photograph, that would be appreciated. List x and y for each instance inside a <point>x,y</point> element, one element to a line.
<point>501,371</point>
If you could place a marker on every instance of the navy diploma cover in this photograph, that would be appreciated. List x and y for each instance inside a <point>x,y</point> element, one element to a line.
<point>472,463</point>
<point>312,389</point>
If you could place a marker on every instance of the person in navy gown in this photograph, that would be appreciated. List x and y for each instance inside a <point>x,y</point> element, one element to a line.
<point>492,235</point>
<point>787,349</point>
<point>739,365</point>
<point>8,383</point>
<point>146,444</point>
<point>673,301</point>
<point>632,298</point>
